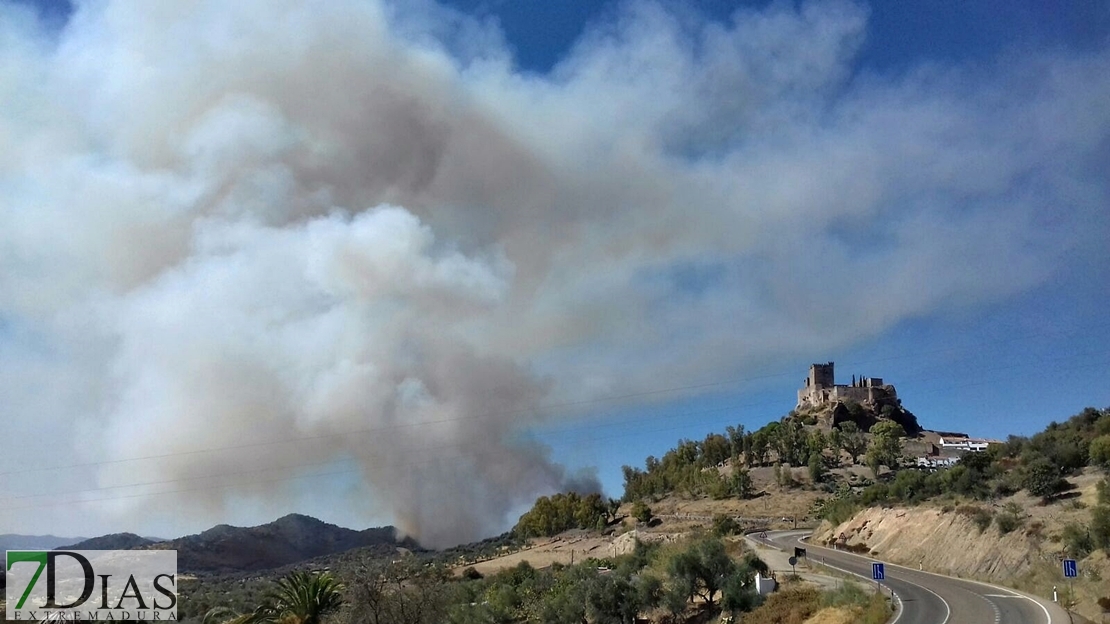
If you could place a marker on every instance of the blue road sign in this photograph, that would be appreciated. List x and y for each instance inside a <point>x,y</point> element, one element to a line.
<point>878,572</point>
<point>1070,569</point>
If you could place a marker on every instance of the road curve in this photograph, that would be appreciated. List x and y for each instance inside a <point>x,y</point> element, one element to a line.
<point>929,598</point>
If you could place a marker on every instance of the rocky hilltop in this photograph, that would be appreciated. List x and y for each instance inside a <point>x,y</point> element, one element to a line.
<point>866,401</point>
<point>115,541</point>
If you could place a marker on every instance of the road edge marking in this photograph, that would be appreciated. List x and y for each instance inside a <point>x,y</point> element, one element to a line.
<point>901,605</point>
<point>1016,593</point>
<point>947,607</point>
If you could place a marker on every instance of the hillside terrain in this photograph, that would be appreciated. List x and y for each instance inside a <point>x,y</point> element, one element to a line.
<point>1007,514</point>
<point>114,541</point>
<point>287,540</point>
<point>1015,540</point>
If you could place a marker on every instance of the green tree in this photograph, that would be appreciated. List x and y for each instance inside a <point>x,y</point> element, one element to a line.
<point>759,448</point>
<point>886,445</point>
<point>1042,478</point>
<point>402,592</point>
<point>836,443</point>
<point>791,442</point>
<point>702,568</point>
<point>736,439</point>
<point>741,483</point>
<point>615,599</point>
<point>816,468</point>
<point>641,512</point>
<point>816,443</point>
<point>738,594</point>
<point>1100,452</point>
<point>715,449</point>
<point>561,512</point>
<point>301,598</point>
<point>853,440</point>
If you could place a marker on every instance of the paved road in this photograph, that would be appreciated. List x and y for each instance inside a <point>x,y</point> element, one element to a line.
<point>931,598</point>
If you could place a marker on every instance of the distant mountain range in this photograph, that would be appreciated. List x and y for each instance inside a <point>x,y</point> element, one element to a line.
<point>226,549</point>
<point>115,541</point>
<point>11,541</point>
<point>285,541</point>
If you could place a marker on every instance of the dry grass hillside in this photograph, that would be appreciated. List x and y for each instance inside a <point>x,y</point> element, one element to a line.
<point>674,517</point>
<point>948,539</point>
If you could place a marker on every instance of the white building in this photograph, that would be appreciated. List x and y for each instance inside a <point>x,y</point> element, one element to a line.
<point>763,585</point>
<point>937,462</point>
<point>966,444</point>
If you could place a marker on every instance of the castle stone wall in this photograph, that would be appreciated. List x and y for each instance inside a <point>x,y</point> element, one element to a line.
<point>820,388</point>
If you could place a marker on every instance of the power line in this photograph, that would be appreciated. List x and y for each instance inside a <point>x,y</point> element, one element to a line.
<point>530,411</point>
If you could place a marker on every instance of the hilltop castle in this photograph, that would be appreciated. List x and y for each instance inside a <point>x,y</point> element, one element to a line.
<point>820,390</point>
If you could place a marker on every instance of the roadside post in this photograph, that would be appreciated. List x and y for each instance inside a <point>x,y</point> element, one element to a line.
<point>1071,570</point>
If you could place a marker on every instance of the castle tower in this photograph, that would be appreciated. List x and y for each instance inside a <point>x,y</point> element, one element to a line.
<point>821,376</point>
<point>817,385</point>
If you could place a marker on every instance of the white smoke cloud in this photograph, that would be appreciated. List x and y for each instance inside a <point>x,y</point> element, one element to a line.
<point>256,221</point>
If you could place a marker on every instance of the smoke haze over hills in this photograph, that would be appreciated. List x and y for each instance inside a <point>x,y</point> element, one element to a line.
<point>360,226</point>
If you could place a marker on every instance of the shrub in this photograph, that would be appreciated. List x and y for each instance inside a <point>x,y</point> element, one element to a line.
<point>725,525</point>
<point>550,516</point>
<point>980,516</point>
<point>847,594</point>
<point>641,512</point>
<point>1042,478</point>
<point>838,510</point>
<point>791,606</point>
<point>1012,517</point>
<point>1035,529</point>
<point>1100,527</point>
<point>1007,523</point>
<point>1100,452</point>
<point>1076,540</point>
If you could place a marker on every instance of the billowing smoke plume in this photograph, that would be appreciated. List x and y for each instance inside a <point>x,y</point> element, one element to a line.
<point>358,227</point>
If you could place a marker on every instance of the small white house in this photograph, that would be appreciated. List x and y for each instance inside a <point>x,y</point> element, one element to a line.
<point>764,586</point>
<point>937,462</point>
<point>965,444</point>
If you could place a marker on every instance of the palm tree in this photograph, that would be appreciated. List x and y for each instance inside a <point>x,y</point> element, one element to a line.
<point>300,598</point>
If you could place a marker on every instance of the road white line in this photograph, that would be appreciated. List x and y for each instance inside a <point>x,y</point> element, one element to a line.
<point>1013,593</point>
<point>901,605</point>
<point>947,607</point>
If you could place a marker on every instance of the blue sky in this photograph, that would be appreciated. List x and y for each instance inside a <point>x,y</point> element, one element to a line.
<point>899,35</point>
<point>1009,368</point>
<point>410,237</point>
